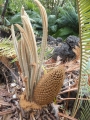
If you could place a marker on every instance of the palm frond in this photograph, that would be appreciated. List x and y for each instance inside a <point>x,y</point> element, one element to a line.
<point>85,111</point>
<point>84,32</point>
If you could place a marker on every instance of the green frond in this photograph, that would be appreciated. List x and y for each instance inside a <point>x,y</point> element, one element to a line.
<point>6,48</point>
<point>84,32</point>
<point>85,111</point>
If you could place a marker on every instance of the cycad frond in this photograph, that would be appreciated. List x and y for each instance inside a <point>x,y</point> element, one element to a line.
<point>26,50</point>
<point>7,49</point>
<point>84,32</point>
<point>44,37</point>
<point>85,111</point>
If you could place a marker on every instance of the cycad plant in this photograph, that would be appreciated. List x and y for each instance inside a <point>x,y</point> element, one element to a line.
<point>84,32</point>
<point>42,90</point>
<point>38,91</point>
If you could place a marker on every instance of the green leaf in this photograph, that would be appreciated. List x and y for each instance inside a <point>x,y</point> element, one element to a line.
<point>16,19</point>
<point>51,19</point>
<point>32,6</point>
<point>53,28</point>
<point>7,23</point>
<point>63,32</point>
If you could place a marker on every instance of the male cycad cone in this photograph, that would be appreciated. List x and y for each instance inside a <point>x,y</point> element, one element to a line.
<point>49,86</point>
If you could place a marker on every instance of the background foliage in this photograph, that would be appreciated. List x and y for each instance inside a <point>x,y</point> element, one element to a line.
<point>62,16</point>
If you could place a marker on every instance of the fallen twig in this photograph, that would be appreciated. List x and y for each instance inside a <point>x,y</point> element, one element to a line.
<point>6,80</point>
<point>12,73</point>
<point>69,90</point>
<point>10,110</point>
<point>64,99</point>
<point>4,93</point>
<point>4,103</point>
<point>65,116</point>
